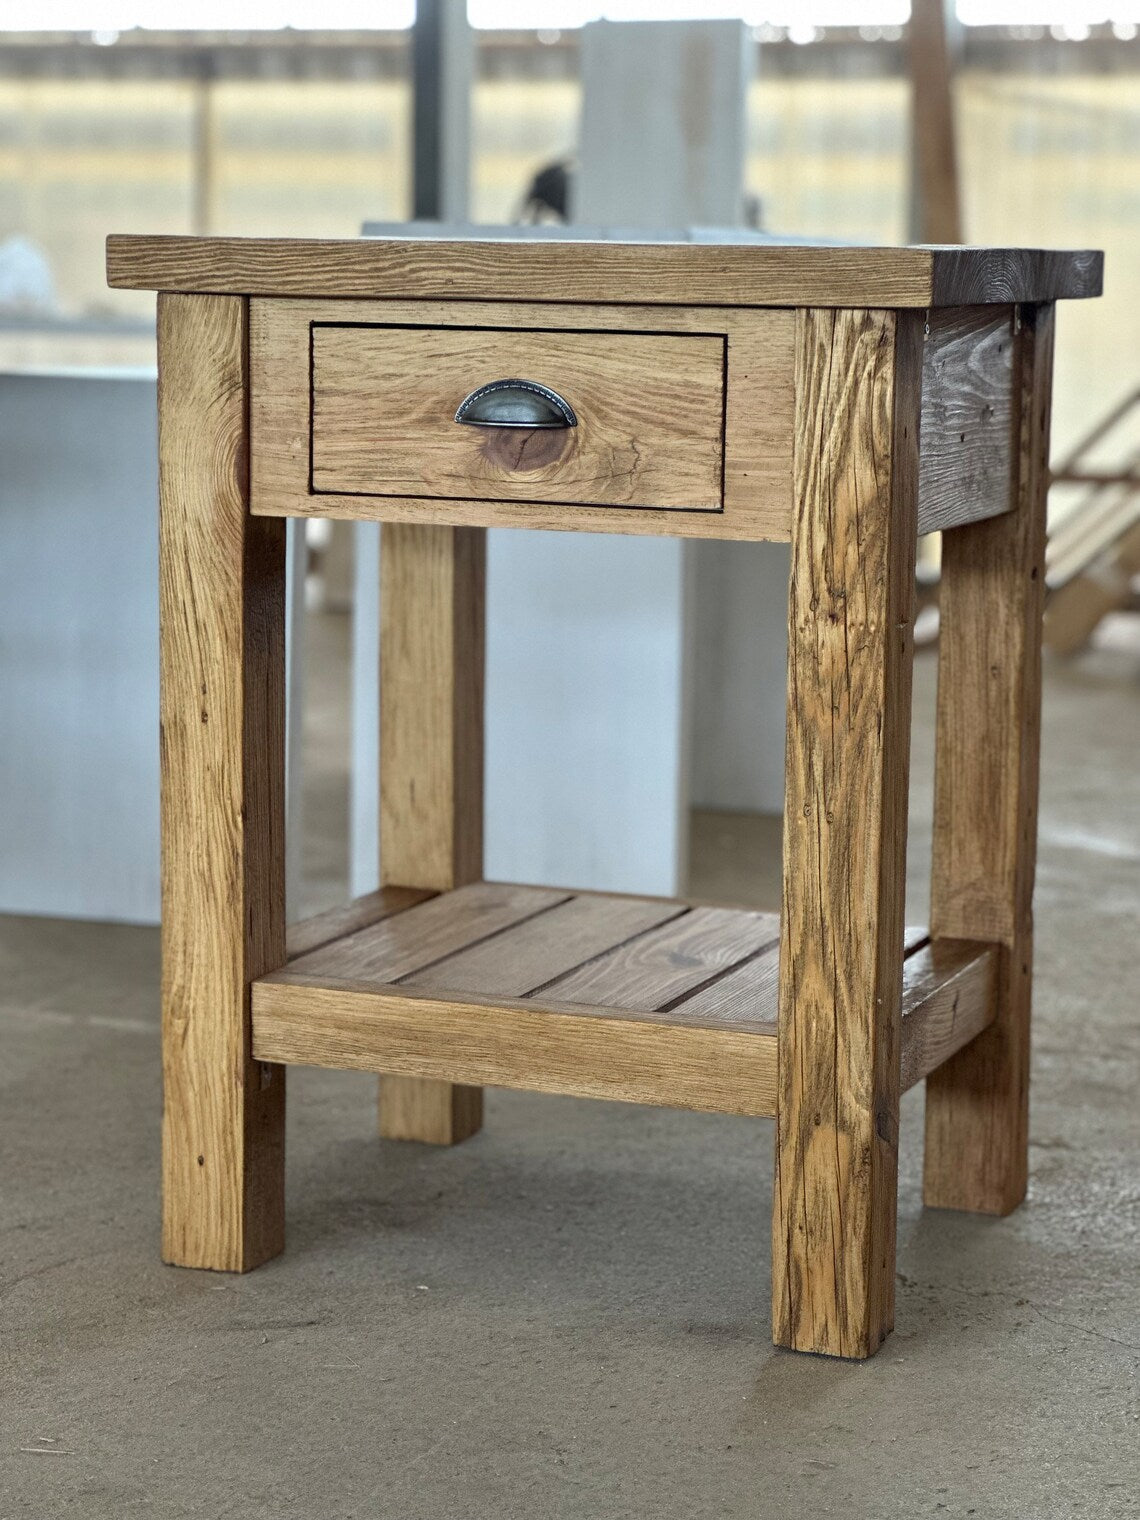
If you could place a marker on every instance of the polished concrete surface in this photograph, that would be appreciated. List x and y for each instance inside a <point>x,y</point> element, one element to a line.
<point>568,1316</point>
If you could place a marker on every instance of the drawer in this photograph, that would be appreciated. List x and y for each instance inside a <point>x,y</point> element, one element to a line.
<point>636,419</point>
<point>684,416</point>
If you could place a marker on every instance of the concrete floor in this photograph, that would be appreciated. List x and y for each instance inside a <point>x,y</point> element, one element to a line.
<point>568,1316</point>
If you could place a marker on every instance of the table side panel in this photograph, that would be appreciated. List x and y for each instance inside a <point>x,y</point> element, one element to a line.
<point>967,444</point>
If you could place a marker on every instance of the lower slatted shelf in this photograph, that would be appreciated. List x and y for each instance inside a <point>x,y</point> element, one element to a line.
<point>597,995</point>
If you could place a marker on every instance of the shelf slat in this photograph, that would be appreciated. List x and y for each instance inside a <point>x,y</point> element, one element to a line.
<point>745,997</point>
<point>409,941</point>
<point>656,969</point>
<point>545,947</point>
<point>323,928</point>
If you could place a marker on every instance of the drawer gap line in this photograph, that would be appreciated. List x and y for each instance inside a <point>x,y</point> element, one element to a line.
<point>514,501</point>
<point>586,332</point>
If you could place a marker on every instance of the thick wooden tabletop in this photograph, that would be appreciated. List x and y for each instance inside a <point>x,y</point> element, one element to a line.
<point>692,274</point>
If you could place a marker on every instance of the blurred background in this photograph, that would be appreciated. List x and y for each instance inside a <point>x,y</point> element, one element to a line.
<point>294,118</point>
<point>1006,122</point>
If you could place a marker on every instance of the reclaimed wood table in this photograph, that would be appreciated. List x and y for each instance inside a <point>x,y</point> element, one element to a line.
<point>845,399</point>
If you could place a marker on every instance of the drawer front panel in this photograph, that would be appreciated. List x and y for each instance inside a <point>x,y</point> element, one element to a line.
<point>649,410</point>
<point>686,416</point>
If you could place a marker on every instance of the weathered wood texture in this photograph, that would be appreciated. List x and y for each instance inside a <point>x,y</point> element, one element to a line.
<point>649,409</point>
<point>546,946</point>
<point>845,823</point>
<point>985,805</point>
<point>539,988</point>
<point>507,941</point>
<point>399,947</point>
<point>947,1000</point>
<point>664,966</point>
<point>589,993</point>
<point>222,592</point>
<point>756,423</point>
<point>311,933</point>
<point>740,274</point>
<point>580,1050</point>
<point>966,458</point>
<point>431,761</point>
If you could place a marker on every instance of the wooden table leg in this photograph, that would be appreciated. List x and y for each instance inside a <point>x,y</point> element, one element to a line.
<point>985,804</point>
<point>858,380</point>
<point>431,762</point>
<point>222,597</point>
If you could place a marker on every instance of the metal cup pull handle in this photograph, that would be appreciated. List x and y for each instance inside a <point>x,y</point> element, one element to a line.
<point>516,404</point>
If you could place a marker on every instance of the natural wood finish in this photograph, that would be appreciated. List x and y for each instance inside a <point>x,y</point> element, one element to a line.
<point>661,967</point>
<point>426,1110</point>
<point>398,947</point>
<point>966,457</point>
<point>497,1010</point>
<point>545,946</point>
<point>311,933</point>
<point>757,422</point>
<point>947,1000</point>
<point>649,409</point>
<point>431,761</point>
<point>222,595</point>
<point>735,391</point>
<point>845,816</point>
<point>748,993</point>
<point>985,806</point>
<point>431,705</point>
<point>708,274</point>
<point>587,1053</point>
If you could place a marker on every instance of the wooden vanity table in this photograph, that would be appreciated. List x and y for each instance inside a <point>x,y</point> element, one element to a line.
<point>845,399</point>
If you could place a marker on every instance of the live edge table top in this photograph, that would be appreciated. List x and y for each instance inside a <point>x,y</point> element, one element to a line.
<point>718,274</point>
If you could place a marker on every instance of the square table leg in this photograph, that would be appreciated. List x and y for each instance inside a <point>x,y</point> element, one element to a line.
<point>850,648</point>
<point>431,762</point>
<point>985,803</point>
<point>222,617</point>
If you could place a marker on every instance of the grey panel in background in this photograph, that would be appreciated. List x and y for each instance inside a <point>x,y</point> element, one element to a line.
<point>79,646</point>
